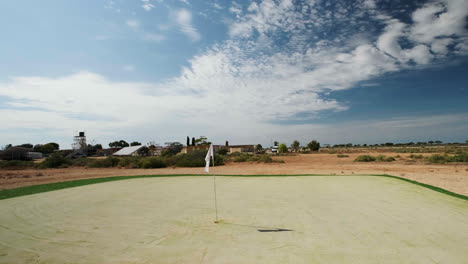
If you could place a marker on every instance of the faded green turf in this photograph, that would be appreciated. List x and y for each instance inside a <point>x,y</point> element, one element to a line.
<point>27,190</point>
<point>272,219</point>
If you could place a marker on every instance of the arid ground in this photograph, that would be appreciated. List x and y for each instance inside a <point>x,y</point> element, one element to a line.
<point>452,177</point>
<point>314,219</point>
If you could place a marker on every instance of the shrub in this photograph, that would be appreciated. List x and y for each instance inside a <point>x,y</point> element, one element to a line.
<point>55,160</point>
<point>265,158</point>
<point>242,157</point>
<point>105,163</point>
<point>222,151</point>
<point>383,158</point>
<point>81,162</point>
<point>129,162</point>
<point>365,158</point>
<point>460,157</point>
<point>16,164</point>
<point>414,156</point>
<point>193,159</point>
<point>342,156</point>
<point>437,158</point>
<point>152,162</point>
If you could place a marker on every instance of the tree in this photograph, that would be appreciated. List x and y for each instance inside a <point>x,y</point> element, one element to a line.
<point>282,148</point>
<point>438,142</point>
<point>7,146</point>
<point>193,141</point>
<point>56,146</point>
<point>119,144</point>
<point>26,145</point>
<point>275,143</point>
<point>314,145</point>
<point>93,149</point>
<point>188,141</point>
<point>46,148</point>
<point>173,148</point>
<point>202,140</point>
<point>259,147</point>
<point>430,142</point>
<point>143,151</point>
<point>227,143</point>
<point>295,145</point>
<point>135,143</point>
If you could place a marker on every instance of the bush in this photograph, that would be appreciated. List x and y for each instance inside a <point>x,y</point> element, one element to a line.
<point>365,158</point>
<point>129,162</point>
<point>108,162</point>
<point>413,156</point>
<point>193,159</point>
<point>222,151</point>
<point>246,157</point>
<point>437,158</point>
<point>265,158</point>
<point>81,162</point>
<point>342,156</point>
<point>383,158</point>
<point>16,164</point>
<point>242,157</point>
<point>152,162</point>
<point>55,160</point>
<point>461,157</point>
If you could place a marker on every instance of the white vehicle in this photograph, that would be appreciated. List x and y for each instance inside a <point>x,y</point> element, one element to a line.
<point>274,149</point>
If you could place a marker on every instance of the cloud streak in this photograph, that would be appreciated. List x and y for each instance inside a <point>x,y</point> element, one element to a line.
<point>183,17</point>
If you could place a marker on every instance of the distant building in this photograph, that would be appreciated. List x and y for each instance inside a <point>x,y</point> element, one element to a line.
<point>189,149</point>
<point>34,155</point>
<point>129,151</point>
<point>15,153</point>
<point>106,152</point>
<point>230,149</point>
<point>241,148</point>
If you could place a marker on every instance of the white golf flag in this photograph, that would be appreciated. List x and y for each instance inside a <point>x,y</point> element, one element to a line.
<point>208,157</point>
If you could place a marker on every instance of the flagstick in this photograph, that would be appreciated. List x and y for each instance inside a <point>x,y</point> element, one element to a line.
<point>214,186</point>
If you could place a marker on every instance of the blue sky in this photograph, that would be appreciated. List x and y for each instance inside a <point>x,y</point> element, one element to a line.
<point>364,71</point>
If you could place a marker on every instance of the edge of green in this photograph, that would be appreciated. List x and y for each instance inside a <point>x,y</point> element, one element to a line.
<point>27,190</point>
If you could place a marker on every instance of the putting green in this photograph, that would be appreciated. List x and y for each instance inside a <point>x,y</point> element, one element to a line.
<point>319,219</point>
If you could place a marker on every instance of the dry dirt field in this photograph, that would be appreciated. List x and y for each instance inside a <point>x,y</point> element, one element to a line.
<point>316,219</point>
<point>452,177</point>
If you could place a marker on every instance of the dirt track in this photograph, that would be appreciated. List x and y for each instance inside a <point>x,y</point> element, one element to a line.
<point>451,177</point>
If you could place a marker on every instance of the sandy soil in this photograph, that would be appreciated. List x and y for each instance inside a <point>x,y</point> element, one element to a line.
<point>450,177</point>
<point>319,219</point>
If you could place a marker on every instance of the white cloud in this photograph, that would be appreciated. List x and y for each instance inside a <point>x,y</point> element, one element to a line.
<point>278,65</point>
<point>183,17</point>
<point>439,19</point>
<point>132,23</point>
<point>419,54</point>
<point>440,46</point>
<point>388,41</point>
